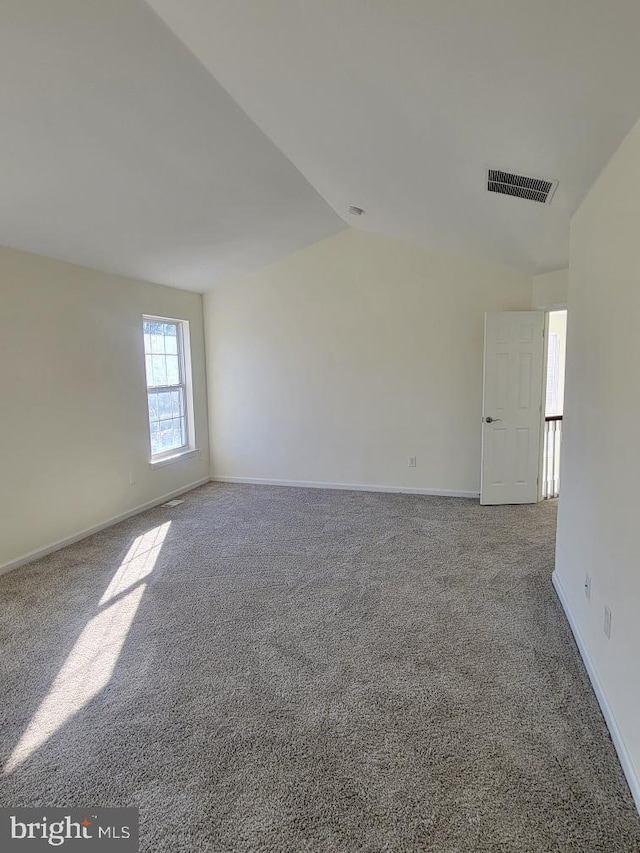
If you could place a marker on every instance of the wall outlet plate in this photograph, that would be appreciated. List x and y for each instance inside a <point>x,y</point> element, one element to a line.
<point>607,622</point>
<point>587,587</point>
<point>412,461</point>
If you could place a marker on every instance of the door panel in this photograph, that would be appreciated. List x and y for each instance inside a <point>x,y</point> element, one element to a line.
<point>512,401</point>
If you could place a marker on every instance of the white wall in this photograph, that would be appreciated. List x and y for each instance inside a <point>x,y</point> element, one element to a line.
<point>550,290</point>
<point>558,326</point>
<point>598,520</point>
<point>73,422</point>
<point>338,362</point>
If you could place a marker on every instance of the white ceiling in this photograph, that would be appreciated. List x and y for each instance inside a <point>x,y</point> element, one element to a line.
<point>399,106</point>
<point>120,149</point>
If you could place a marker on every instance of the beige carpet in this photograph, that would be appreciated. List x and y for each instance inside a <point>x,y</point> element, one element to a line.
<point>285,670</point>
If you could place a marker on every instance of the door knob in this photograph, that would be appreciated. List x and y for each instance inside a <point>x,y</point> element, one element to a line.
<point>491,420</point>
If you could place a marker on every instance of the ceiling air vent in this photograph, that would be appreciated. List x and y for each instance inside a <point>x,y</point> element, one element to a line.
<point>533,189</point>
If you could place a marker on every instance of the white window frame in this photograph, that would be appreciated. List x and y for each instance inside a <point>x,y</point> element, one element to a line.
<point>186,383</point>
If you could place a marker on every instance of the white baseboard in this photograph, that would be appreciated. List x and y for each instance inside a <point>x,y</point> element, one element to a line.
<point>628,767</point>
<point>351,487</point>
<point>89,531</point>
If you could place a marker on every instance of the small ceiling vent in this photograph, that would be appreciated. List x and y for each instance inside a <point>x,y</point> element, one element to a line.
<point>533,189</point>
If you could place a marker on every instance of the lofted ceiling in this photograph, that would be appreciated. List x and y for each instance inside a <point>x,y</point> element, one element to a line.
<point>119,151</point>
<point>400,106</point>
<point>183,141</point>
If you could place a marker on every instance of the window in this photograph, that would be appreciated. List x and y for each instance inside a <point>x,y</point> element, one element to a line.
<point>166,355</point>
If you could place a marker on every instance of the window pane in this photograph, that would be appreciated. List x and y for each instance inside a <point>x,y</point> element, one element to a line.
<point>159,369</point>
<point>157,343</point>
<point>167,436</point>
<point>164,406</point>
<point>173,370</point>
<point>177,409</point>
<point>153,406</point>
<point>149,368</point>
<point>156,445</point>
<point>182,431</point>
<point>178,437</point>
<point>171,344</point>
<point>166,433</point>
<point>147,342</point>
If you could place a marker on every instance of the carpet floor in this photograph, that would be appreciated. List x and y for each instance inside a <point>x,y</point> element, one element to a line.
<point>307,671</point>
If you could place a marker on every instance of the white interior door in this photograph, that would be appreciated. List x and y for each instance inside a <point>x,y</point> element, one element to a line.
<point>512,406</point>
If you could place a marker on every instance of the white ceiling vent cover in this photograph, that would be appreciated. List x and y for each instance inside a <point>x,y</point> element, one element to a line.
<point>533,189</point>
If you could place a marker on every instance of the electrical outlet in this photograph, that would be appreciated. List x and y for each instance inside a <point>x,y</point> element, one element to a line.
<point>412,461</point>
<point>587,587</point>
<point>607,622</point>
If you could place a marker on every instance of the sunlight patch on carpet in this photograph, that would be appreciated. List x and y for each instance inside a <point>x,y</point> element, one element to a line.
<point>91,662</point>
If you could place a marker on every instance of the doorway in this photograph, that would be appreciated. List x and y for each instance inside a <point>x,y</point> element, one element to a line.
<point>553,403</point>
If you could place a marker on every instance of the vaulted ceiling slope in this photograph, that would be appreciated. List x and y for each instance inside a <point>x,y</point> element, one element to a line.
<point>118,150</point>
<point>184,141</point>
<point>400,106</point>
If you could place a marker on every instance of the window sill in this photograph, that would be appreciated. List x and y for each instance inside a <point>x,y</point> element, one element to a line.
<point>177,457</point>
